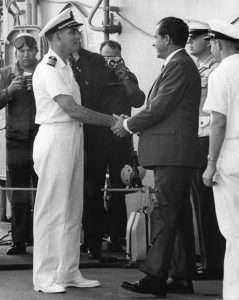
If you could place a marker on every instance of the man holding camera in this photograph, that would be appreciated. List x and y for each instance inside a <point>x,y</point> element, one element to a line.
<point>106,86</point>
<point>120,95</point>
<point>17,96</point>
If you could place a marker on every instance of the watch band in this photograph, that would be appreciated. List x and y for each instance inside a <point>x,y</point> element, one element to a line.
<point>210,158</point>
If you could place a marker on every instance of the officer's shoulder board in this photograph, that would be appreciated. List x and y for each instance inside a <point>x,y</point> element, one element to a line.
<point>51,61</point>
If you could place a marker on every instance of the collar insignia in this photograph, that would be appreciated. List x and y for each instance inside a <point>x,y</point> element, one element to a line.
<point>52,61</point>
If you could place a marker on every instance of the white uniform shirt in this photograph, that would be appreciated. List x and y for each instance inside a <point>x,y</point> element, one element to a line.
<point>223,94</point>
<point>50,81</point>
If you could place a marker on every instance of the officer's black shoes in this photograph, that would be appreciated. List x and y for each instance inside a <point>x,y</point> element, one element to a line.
<point>147,285</point>
<point>17,249</point>
<point>177,286</point>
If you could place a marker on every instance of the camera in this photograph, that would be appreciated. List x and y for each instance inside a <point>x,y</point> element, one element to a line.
<point>114,61</point>
<point>27,81</point>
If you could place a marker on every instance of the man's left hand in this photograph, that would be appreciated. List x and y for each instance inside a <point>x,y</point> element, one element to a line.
<point>118,128</point>
<point>208,175</point>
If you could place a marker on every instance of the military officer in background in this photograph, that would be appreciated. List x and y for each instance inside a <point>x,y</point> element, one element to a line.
<point>222,172</point>
<point>58,161</point>
<point>210,239</point>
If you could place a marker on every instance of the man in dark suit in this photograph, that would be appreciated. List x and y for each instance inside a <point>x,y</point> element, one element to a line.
<point>169,146</point>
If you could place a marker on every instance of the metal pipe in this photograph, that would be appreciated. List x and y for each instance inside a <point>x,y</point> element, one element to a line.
<point>106,8</point>
<point>92,13</point>
<point>28,12</point>
<point>143,189</point>
<point>17,189</point>
<point>34,12</point>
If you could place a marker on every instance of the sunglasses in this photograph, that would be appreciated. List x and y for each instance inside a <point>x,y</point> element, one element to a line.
<point>25,40</point>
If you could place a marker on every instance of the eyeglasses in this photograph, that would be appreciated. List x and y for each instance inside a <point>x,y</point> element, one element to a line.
<point>21,41</point>
<point>113,61</point>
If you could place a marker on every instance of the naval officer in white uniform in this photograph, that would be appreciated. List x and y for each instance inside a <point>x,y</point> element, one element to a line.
<point>58,161</point>
<point>223,159</point>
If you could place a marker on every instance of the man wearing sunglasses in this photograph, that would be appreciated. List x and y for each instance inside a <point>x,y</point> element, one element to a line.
<point>18,98</point>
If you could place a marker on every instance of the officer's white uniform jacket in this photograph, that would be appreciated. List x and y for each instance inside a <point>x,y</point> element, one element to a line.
<point>51,78</point>
<point>58,161</point>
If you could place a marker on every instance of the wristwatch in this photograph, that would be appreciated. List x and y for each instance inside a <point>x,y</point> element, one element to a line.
<point>210,158</point>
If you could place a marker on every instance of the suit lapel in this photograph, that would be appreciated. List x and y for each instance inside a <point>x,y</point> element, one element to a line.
<point>156,83</point>
<point>154,87</point>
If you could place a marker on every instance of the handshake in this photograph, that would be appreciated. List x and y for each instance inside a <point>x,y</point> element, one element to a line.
<point>117,125</point>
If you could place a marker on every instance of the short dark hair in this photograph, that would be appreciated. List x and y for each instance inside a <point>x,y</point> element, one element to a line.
<point>49,35</point>
<point>112,44</point>
<point>176,28</point>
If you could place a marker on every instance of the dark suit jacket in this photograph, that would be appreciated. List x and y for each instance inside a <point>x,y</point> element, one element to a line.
<point>168,125</point>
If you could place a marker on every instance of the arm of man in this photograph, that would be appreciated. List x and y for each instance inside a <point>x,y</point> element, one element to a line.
<point>61,93</point>
<point>134,94</point>
<point>83,114</point>
<point>216,104</point>
<point>4,83</point>
<point>217,135</point>
<point>4,98</point>
<point>169,95</point>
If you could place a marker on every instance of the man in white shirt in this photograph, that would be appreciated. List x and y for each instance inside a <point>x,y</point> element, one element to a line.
<point>222,170</point>
<point>211,242</point>
<point>58,161</point>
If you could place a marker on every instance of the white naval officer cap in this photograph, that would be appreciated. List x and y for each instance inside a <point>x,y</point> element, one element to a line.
<point>64,19</point>
<point>197,27</point>
<point>223,30</point>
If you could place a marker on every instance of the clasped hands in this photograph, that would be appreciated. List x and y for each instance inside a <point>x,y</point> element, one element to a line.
<point>117,127</point>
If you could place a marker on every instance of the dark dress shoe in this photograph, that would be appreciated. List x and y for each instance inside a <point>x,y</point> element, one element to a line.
<point>17,249</point>
<point>180,287</point>
<point>94,254</point>
<point>147,285</point>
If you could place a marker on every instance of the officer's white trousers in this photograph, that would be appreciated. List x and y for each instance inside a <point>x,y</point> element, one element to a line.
<point>58,161</point>
<point>226,195</point>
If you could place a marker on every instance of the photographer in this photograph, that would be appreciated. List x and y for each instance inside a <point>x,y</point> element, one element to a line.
<point>17,95</point>
<point>104,149</point>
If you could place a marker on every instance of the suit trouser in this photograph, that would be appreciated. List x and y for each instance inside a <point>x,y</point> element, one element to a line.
<point>226,195</point>
<point>171,216</point>
<point>20,173</point>
<point>96,220</point>
<point>58,161</point>
<point>210,238</point>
